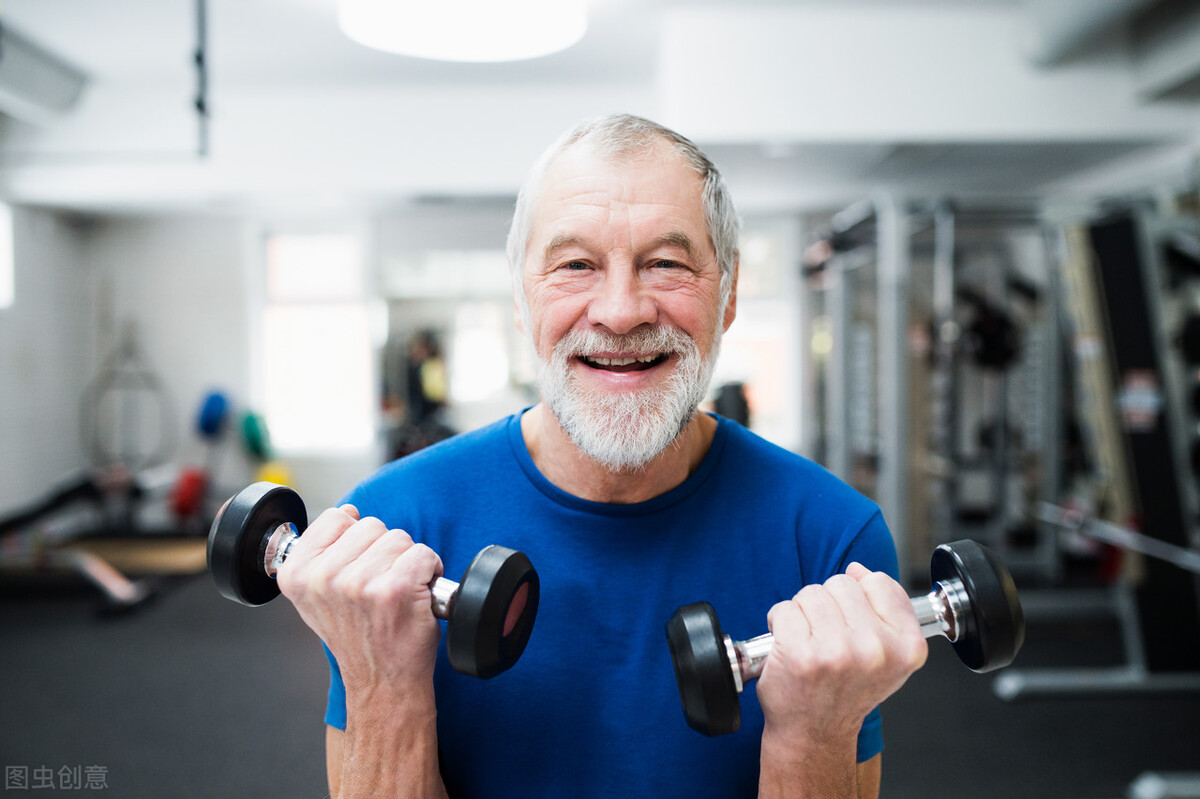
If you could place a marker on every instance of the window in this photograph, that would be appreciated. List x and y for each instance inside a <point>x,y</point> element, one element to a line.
<point>318,372</point>
<point>479,358</point>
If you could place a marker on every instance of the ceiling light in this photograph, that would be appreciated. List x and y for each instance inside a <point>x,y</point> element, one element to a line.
<point>465,30</point>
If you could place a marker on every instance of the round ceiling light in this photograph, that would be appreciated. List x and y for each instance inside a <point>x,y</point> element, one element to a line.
<point>465,30</point>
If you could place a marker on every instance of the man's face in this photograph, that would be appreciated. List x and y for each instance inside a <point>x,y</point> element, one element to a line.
<point>622,287</point>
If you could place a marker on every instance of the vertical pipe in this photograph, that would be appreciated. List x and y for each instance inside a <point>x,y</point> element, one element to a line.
<point>201,60</point>
<point>1051,453</point>
<point>945,406</point>
<point>838,374</point>
<point>892,231</point>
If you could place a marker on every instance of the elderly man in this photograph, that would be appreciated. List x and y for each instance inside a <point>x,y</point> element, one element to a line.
<point>624,257</point>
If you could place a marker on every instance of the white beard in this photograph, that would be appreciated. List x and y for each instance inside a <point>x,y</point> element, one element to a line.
<point>626,430</point>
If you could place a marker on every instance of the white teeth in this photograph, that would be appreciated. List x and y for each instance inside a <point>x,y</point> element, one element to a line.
<point>622,361</point>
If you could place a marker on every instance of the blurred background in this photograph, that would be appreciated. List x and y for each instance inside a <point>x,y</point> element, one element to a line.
<point>237,244</point>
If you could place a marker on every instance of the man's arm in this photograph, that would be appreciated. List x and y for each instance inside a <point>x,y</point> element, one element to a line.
<point>870,775</point>
<point>334,747</point>
<point>364,590</point>
<point>840,649</point>
<point>394,759</point>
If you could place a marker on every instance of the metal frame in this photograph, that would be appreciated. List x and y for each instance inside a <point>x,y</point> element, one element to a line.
<point>880,230</point>
<point>1145,670</point>
<point>889,253</point>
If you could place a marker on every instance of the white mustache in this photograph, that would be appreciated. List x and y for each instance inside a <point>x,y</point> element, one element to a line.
<point>658,339</point>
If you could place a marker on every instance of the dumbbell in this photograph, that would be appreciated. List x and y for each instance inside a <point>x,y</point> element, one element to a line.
<point>973,603</point>
<point>489,613</point>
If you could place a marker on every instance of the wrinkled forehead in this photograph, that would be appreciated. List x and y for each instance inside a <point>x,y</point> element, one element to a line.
<point>582,177</point>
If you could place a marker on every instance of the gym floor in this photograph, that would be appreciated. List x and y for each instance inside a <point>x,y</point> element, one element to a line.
<point>194,696</point>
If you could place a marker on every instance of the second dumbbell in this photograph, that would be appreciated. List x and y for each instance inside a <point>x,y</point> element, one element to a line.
<point>489,614</point>
<point>973,603</point>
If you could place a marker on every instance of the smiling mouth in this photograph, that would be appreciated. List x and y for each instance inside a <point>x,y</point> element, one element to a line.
<point>635,364</point>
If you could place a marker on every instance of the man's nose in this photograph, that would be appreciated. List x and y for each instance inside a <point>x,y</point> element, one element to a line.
<point>622,303</point>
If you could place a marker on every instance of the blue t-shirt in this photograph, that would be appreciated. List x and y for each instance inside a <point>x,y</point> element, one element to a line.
<point>592,708</point>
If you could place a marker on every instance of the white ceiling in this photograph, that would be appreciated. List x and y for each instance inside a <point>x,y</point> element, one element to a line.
<point>303,118</point>
<point>286,42</point>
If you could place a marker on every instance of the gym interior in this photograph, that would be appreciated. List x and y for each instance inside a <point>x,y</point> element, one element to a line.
<point>237,246</point>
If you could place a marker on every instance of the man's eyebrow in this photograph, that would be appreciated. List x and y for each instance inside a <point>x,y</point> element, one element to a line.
<point>678,239</point>
<point>558,242</point>
<point>675,238</point>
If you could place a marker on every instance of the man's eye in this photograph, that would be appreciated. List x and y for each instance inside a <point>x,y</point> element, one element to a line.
<point>665,264</point>
<point>575,265</point>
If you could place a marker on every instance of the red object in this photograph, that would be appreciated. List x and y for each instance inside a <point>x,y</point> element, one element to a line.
<point>188,494</point>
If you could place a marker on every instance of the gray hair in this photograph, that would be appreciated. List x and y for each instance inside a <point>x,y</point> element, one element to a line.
<point>623,135</point>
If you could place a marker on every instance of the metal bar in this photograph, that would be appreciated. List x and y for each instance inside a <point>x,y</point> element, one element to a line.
<point>837,388</point>
<point>1131,627</point>
<point>852,216</point>
<point>892,345</point>
<point>1166,785</point>
<point>1016,684</point>
<point>944,410</point>
<point>202,78</point>
<point>1109,533</point>
<point>1051,443</point>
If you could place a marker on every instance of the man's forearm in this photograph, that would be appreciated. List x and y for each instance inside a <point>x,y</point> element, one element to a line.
<point>814,770</point>
<point>390,749</point>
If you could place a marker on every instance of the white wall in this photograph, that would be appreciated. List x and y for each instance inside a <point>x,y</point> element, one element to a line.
<point>182,283</point>
<point>189,288</point>
<point>45,360</point>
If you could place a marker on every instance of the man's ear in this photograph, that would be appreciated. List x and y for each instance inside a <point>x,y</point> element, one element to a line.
<point>731,305</point>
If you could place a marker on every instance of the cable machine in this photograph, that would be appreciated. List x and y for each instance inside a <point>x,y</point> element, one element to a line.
<point>896,330</point>
<point>1133,300</point>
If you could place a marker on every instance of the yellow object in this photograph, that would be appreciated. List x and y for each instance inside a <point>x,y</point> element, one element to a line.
<point>433,380</point>
<point>274,472</point>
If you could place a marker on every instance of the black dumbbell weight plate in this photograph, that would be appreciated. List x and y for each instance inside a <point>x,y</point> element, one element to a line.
<point>237,538</point>
<point>994,626</point>
<point>476,643</point>
<point>702,670</point>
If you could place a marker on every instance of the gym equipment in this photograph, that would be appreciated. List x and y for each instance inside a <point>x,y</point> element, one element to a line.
<point>37,542</point>
<point>489,613</point>
<point>1123,537</point>
<point>126,415</point>
<point>992,338</point>
<point>214,411</point>
<point>255,436</point>
<point>979,280</point>
<point>187,495</point>
<point>274,472</point>
<point>1135,676</point>
<point>973,603</point>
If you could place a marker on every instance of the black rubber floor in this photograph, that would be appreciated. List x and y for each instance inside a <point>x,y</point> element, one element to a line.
<point>190,696</point>
<point>194,696</point>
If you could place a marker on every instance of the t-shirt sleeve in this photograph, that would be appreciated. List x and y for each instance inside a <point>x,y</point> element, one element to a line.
<point>874,548</point>
<point>335,709</point>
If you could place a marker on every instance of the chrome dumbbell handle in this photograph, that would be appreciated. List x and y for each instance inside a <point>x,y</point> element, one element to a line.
<point>939,613</point>
<point>278,545</point>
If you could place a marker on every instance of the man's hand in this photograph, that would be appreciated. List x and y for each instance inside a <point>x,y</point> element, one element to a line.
<point>364,590</point>
<point>840,649</point>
